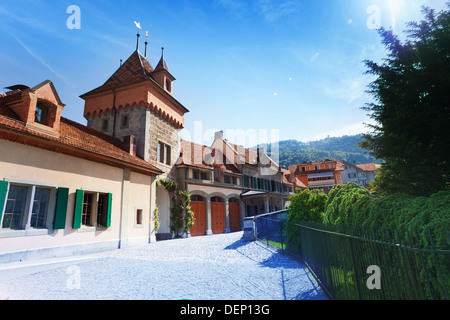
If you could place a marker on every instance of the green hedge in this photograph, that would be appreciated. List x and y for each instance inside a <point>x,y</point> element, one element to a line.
<point>385,218</point>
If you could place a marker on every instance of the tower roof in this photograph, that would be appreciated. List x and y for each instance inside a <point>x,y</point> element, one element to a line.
<point>136,69</point>
<point>162,66</point>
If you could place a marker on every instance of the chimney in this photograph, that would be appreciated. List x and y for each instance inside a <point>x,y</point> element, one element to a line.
<point>218,136</point>
<point>261,150</point>
<point>130,144</point>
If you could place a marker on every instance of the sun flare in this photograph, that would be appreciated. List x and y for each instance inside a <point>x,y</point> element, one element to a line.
<point>395,7</point>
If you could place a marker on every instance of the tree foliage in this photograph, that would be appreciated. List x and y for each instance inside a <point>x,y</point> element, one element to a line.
<point>347,204</point>
<point>411,109</point>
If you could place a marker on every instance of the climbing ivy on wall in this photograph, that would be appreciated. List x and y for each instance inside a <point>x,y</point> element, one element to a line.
<point>182,217</point>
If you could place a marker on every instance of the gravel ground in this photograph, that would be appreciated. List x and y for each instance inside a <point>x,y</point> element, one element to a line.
<point>219,267</point>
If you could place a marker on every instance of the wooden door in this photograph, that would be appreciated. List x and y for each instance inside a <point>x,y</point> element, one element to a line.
<point>199,209</point>
<point>217,215</point>
<point>235,217</point>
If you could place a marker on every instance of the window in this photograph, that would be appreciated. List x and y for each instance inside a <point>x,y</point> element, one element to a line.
<point>40,114</point>
<point>230,179</point>
<point>317,167</point>
<point>164,153</point>
<point>95,210</point>
<point>216,199</point>
<point>124,122</point>
<point>352,175</point>
<point>40,208</point>
<point>92,209</point>
<point>15,207</point>
<point>86,217</point>
<point>28,207</point>
<point>168,85</point>
<point>196,198</point>
<point>102,210</point>
<point>105,124</point>
<point>139,216</point>
<point>201,175</point>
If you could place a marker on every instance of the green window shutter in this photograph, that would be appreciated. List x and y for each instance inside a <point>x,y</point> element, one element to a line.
<point>78,211</point>
<point>108,219</point>
<point>61,209</point>
<point>245,181</point>
<point>3,194</point>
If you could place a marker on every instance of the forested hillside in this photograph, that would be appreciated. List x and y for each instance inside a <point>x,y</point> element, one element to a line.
<point>342,148</point>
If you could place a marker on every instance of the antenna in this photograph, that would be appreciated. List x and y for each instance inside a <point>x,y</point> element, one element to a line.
<point>138,25</point>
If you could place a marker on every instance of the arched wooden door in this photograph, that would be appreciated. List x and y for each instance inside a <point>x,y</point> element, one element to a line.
<point>198,206</point>
<point>234,215</point>
<point>217,215</point>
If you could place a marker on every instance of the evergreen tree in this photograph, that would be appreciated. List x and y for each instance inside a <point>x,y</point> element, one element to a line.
<point>411,109</point>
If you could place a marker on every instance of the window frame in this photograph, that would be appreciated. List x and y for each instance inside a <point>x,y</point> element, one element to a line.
<point>139,218</point>
<point>200,175</point>
<point>26,228</point>
<point>43,116</point>
<point>164,153</point>
<point>99,219</point>
<point>124,121</point>
<point>105,125</point>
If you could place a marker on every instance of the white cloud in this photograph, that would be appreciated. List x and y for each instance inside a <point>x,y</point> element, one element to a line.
<point>351,129</point>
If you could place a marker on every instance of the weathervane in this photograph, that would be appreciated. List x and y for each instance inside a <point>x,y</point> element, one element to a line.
<point>138,25</point>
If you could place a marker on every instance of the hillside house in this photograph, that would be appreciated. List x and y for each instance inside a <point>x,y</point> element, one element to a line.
<point>322,175</point>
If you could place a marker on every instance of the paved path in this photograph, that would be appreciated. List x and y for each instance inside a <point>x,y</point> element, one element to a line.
<point>219,267</point>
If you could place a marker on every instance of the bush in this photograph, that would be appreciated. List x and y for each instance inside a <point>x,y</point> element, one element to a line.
<point>347,204</point>
<point>305,206</point>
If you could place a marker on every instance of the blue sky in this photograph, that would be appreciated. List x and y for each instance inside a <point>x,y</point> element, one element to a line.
<point>291,69</point>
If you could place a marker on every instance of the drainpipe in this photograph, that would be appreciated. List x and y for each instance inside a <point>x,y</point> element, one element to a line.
<point>115,113</point>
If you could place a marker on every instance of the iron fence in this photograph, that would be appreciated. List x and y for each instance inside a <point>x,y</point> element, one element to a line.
<point>362,263</point>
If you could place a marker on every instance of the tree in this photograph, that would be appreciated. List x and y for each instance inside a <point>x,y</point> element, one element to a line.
<point>411,109</point>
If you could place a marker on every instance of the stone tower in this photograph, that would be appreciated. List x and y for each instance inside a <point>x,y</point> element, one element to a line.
<point>136,106</point>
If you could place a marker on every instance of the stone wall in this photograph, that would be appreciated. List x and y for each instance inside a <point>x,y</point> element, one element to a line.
<point>148,128</point>
<point>163,131</point>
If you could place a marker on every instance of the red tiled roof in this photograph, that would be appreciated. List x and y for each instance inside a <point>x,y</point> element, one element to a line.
<point>201,156</point>
<point>369,166</point>
<point>73,136</point>
<point>134,70</point>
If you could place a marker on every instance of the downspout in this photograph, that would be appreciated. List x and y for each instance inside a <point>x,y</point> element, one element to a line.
<point>115,113</point>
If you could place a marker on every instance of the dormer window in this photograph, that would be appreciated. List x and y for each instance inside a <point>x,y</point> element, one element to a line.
<point>40,115</point>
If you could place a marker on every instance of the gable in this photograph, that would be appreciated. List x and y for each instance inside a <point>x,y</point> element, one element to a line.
<point>46,91</point>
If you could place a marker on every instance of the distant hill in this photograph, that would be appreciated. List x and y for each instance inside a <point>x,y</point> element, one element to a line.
<point>342,148</point>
